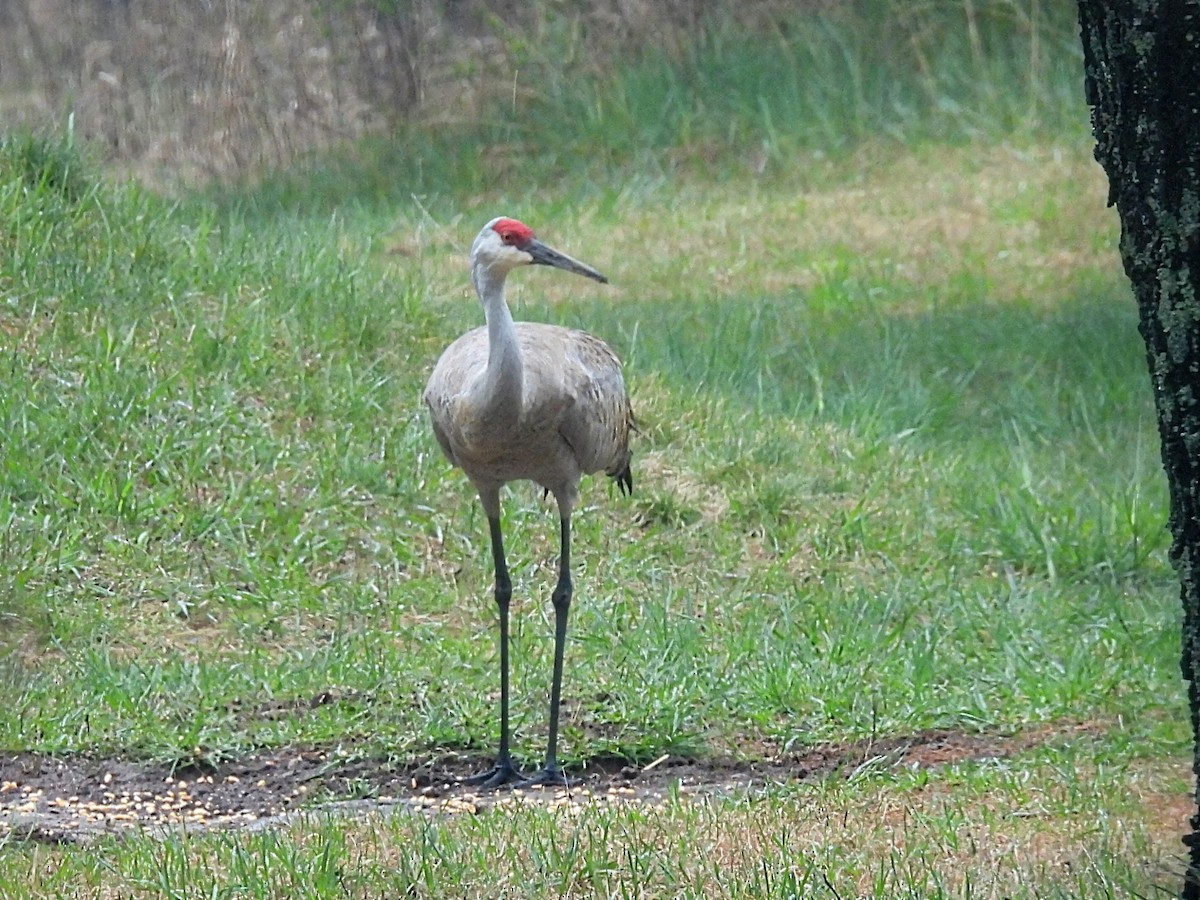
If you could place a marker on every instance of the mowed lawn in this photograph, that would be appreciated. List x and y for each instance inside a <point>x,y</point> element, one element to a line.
<point>897,472</point>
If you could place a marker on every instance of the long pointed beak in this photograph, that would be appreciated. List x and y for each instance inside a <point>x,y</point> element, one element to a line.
<point>548,256</point>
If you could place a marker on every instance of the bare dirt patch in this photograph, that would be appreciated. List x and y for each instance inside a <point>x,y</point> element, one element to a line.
<point>76,799</point>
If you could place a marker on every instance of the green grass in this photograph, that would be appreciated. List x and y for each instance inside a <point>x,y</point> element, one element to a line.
<point>1074,831</point>
<point>898,471</point>
<point>865,508</point>
<point>251,471</point>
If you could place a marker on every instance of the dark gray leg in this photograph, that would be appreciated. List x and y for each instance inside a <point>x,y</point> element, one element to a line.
<point>561,598</point>
<point>504,772</point>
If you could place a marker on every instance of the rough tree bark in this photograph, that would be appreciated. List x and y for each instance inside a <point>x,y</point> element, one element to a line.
<point>1142,78</point>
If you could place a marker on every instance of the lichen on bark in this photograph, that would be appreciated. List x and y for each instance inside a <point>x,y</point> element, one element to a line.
<point>1140,60</point>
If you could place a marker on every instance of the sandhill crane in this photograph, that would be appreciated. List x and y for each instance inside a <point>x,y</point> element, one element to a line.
<point>516,401</point>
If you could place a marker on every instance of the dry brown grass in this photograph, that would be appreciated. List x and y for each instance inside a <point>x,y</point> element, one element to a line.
<point>180,91</point>
<point>194,91</point>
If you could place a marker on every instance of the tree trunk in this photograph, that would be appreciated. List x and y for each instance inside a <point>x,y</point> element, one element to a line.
<point>1141,59</point>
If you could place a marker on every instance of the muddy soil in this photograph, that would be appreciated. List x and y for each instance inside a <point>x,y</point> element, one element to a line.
<point>76,799</point>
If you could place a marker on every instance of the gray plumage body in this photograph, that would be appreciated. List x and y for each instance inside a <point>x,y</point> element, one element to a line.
<point>572,417</point>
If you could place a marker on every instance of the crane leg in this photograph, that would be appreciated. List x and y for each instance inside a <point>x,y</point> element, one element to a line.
<point>552,773</point>
<point>504,771</point>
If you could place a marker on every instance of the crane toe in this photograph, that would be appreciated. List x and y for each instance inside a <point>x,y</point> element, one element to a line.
<point>501,774</point>
<point>554,777</point>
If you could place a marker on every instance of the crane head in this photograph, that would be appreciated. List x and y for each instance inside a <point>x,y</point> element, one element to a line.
<point>506,243</point>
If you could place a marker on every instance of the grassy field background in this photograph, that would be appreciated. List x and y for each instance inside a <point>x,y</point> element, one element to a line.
<point>898,471</point>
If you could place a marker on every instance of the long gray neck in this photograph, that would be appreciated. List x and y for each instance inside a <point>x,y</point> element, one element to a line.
<point>505,374</point>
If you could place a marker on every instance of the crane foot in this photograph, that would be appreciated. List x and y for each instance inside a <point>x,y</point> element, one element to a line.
<point>549,777</point>
<point>501,774</point>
